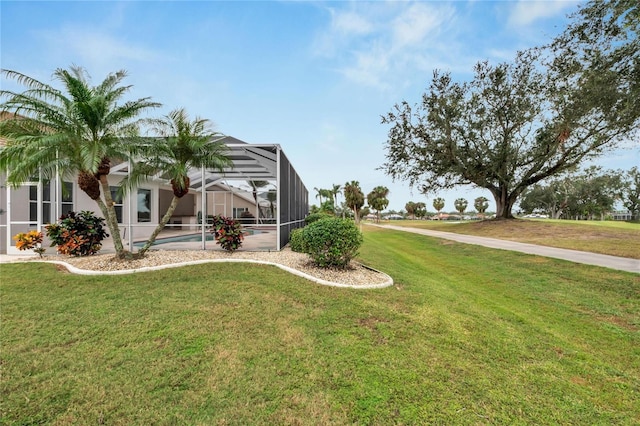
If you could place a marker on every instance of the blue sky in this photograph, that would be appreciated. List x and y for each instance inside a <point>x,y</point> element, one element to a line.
<point>314,77</point>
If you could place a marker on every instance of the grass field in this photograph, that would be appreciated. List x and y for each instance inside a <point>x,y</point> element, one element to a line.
<point>604,237</point>
<point>467,335</point>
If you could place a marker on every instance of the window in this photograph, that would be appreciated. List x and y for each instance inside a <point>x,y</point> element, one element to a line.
<point>144,205</point>
<point>237,211</point>
<point>67,198</point>
<point>117,202</point>
<point>46,203</point>
<point>33,203</point>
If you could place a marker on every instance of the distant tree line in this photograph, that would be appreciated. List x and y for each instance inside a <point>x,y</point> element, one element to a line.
<point>590,194</point>
<point>354,200</point>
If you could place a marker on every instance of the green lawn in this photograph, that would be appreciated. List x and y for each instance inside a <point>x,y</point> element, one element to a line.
<point>604,237</point>
<point>467,336</point>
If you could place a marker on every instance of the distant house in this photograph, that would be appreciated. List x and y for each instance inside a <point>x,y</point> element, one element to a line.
<point>393,217</point>
<point>621,215</point>
<point>35,204</point>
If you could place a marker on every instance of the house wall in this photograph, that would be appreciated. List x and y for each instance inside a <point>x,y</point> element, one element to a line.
<point>3,215</point>
<point>219,201</point>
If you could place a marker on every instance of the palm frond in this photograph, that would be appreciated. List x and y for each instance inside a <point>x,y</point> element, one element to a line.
<point>139,173</point>
<point>24,80</point>
<point>110,83</point>
<point>129,110</point>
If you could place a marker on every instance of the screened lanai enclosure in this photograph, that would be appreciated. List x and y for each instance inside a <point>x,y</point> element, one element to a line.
<point>261,190</point>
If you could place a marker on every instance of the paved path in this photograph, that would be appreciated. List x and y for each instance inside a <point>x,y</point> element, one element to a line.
<point>606,261</point>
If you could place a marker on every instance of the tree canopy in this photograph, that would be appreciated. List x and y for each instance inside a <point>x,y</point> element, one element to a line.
<point>516,124</point>
<point>591,193</point>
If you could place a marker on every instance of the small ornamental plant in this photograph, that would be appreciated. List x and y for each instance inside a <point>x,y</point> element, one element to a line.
<point>31,240</point>
<point>78,234</point>
<point>228,233</point>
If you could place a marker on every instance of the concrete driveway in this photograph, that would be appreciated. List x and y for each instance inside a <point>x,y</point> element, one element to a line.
<point>606,261</point>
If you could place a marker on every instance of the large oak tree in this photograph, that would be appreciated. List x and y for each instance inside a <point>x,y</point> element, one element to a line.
<point>516,124</point>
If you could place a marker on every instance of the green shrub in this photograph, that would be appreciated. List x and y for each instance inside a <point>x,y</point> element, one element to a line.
<point>314,217</point>
<point>332,242</point>
<point>296,241</point>
<point>228,233</point>
<point>77,234</point>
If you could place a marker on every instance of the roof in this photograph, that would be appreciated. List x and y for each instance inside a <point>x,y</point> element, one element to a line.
<point>250,162</point>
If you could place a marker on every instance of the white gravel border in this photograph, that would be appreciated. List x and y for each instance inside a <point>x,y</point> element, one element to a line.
<point>387,282</point>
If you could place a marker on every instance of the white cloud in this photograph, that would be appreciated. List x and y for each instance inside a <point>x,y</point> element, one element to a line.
<point>350,23</point>
<point>418,22</point>
<point>344,27</point>
<point>525,12</point>
<point>376,44</point>
<point>97,50</point>
<point>502,55</point>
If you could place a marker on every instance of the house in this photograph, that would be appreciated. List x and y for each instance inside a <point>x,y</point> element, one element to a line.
<point>281,206</point>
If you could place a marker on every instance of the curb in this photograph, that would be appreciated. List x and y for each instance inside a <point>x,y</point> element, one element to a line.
<point>387,283</point>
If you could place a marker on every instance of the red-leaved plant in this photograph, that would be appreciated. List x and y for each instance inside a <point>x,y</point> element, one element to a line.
<point>228,233</point>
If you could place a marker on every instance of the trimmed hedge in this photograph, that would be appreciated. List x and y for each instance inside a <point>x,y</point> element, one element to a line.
<point>314,217</point>
<point>331,242</point>
<point>296,240</point>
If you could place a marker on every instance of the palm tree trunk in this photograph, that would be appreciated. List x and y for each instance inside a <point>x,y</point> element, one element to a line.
<point>112,220</point>
<point>161,225</point>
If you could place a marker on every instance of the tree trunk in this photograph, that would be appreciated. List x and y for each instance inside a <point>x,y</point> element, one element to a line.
<point>504,203</point>
<point>112,220</point>
<point>161,225</point>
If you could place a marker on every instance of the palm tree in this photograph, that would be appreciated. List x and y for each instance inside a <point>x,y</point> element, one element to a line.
<point>334,192</point>
<point>354,198</point>
<point>255,185</point>
<point>328,205</point>
<point>410,207</point>
<point>272,197</point>
<point>378,199</point>
<point>461,205</point>
<point>481,204</point>
<point>182,145</point>
<point>78,130</point>
<point>438,204</point>
<point>319,194</point>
